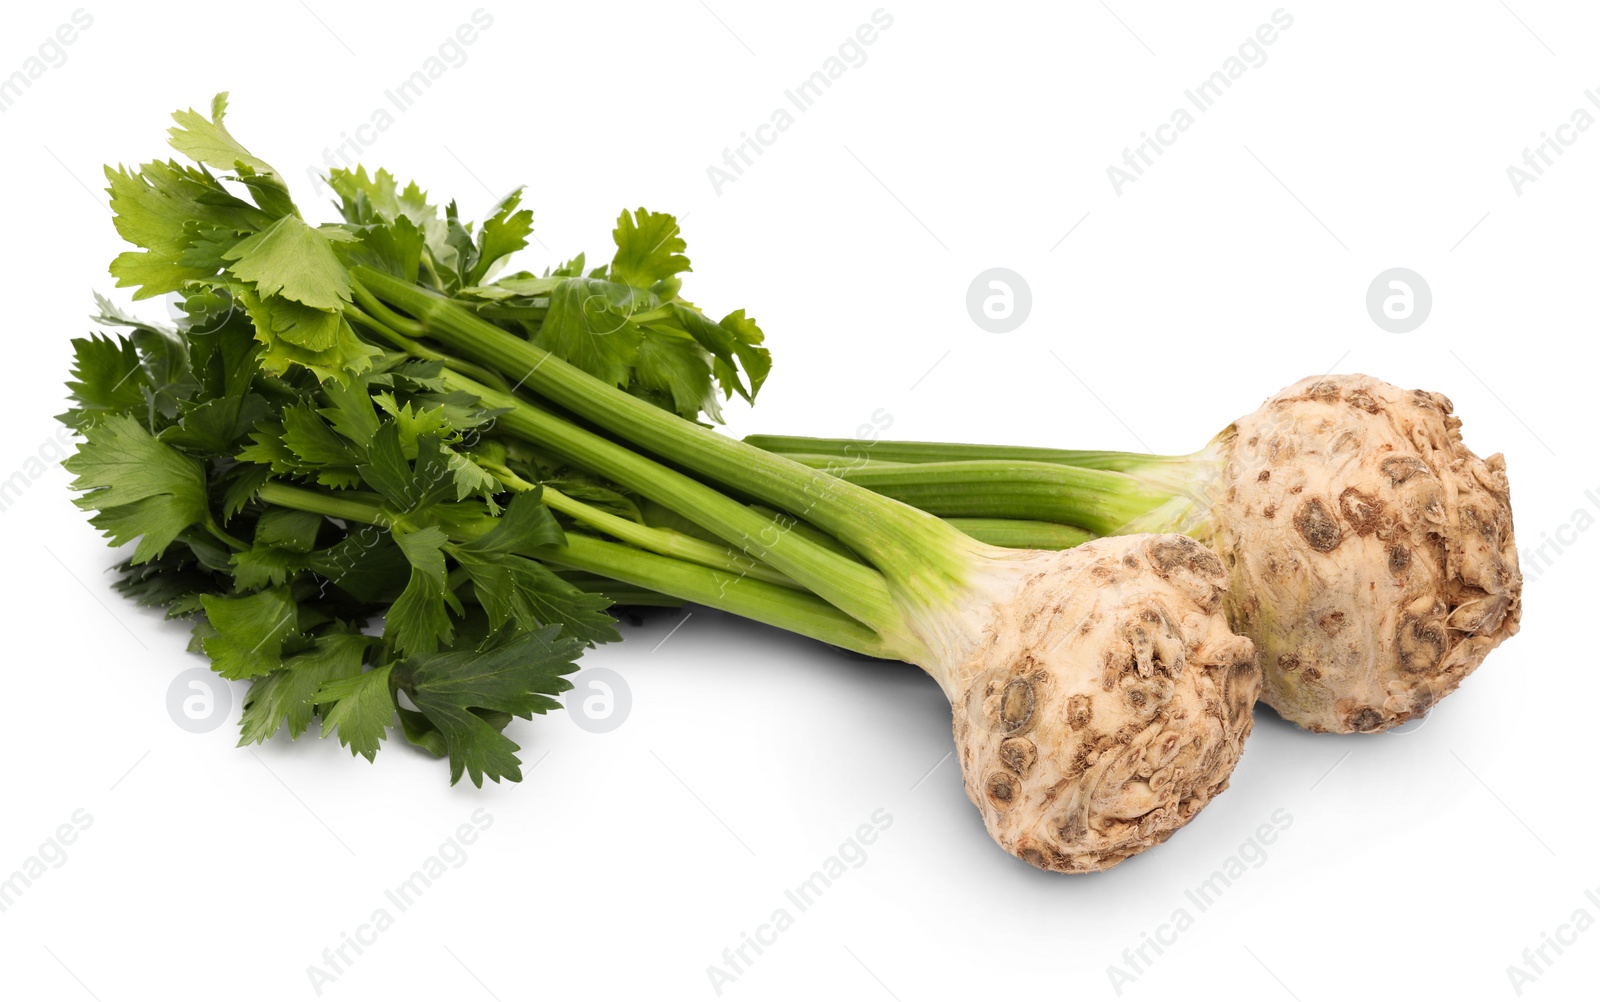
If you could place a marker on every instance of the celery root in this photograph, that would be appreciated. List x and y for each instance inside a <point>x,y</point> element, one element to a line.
<point>1371,555</point>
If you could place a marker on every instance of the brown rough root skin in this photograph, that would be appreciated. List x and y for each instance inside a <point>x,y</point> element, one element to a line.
<point>1371,554</point>
<point>1106,702</point>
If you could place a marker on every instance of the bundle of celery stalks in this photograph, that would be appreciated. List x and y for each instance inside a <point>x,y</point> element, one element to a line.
<point>392,481</point>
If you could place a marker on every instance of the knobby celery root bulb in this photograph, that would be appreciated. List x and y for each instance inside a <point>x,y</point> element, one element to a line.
<point>1103,703</point>
<point>1370,552</point>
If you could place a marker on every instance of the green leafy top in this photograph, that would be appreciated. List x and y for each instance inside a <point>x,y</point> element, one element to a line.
<point>624,322</point>
<point>140,488</point>
<point>181,432</point>
<point>348,535</point>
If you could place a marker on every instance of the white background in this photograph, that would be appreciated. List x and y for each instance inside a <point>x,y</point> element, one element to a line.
<point>1375,135</point>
